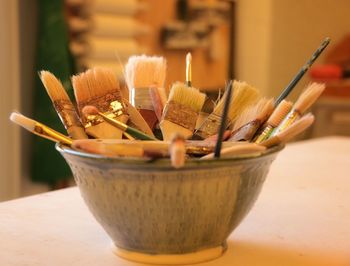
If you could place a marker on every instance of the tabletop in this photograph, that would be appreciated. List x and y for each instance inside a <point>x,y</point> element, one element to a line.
<point>302,217</point>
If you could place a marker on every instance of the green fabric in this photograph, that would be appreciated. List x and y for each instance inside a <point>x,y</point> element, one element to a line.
<point>48,166</point>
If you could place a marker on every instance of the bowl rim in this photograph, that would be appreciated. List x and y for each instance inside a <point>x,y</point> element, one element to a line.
<point>193,161</point>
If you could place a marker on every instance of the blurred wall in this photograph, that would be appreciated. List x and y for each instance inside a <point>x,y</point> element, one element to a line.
<point>9,100</point>
<point>276,37</point>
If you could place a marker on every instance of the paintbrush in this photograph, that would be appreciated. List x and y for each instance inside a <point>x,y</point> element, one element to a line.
<point>304,102</point>
<point>223,125</point>
<point>123,149</point>
<point>243,95</point>
<point>100,87</point>
<point>274,120</point>
<point>90,112</point>
<point>136,120</point>
<point>189,70</point>
<point>39,129</point>
<point>181,111</point>
<point>242,150</point>
<point>302,71</point>
<point>290,132</point>
<point>177,151</point>
<point>251,119</point>
<point>141,73</point>
<point>63,105</point>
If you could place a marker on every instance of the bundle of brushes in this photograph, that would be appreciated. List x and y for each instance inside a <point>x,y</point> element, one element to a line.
<point>242,123</point>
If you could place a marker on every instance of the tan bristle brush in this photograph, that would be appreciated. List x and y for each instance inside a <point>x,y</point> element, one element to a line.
<point>242,96</point>
<point>39,129</point>
<point>181,111</point>
<point>99,87</point>
<point>63,105</point>
<point>290,132</point>
<point>304,102</point>
<point>142,73</point>
<point>274,120</point>
<point>251,119</point>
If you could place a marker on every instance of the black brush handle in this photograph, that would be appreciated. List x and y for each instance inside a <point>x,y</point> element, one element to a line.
<point>302,71</point>
<point>223,120</point>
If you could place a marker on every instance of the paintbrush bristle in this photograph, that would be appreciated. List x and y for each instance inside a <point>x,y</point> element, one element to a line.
<point>187,96</point>
<point>23,121</point>
<point>243,95</point>
<point>145,71</point>
<point>53,86</point>
<point>95,83</point>
<point>309,96</point>
<point>260,111</point>
<point>279,113</point>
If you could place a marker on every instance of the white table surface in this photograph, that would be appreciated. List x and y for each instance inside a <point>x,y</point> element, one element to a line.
<point>302,217</point>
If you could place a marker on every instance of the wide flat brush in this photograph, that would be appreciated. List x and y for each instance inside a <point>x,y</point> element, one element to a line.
<point>243,95</point>
<point>181,111</point>
<point>39,129</point>
<point>142,73</point>
<point>99,87</point>
<point>251,119</point>
<point>304,102</point>
<point>290,132</point>
<point>274,120</point>
<point>63,105</point>
<point>91,112</point>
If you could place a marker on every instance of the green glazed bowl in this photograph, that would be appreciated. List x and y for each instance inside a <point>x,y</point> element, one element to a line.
<point>161,215</point>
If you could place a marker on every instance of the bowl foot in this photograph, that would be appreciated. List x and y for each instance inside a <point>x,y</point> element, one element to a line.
<point>171,259</point>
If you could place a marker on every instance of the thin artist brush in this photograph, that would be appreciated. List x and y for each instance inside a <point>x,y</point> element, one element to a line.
<point>302,71</point>
<point>90,110</point>
<point>304,102</point>
<point>274,120</point>
<point>39,128</point>
<point>223,120</point>
<point>189,70</point>
<point>290,132</point>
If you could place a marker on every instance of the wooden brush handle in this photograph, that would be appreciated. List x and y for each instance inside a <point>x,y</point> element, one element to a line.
<point>77,132</point>
<point>150,117</point>
<point>138,134</point>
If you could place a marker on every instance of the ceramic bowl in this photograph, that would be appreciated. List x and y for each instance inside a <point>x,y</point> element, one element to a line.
<point>157,214</point>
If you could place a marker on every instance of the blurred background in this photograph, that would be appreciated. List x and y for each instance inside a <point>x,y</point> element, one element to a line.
<point>263,42</point>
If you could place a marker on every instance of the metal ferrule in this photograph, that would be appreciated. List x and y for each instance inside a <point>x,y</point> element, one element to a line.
<point>140,98</point>
<point>67,113</point>
<point>209,127</point>
<point>264,135</point>
<point>286,122</point>
<point>116,109</point>
<point>51,134</point>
